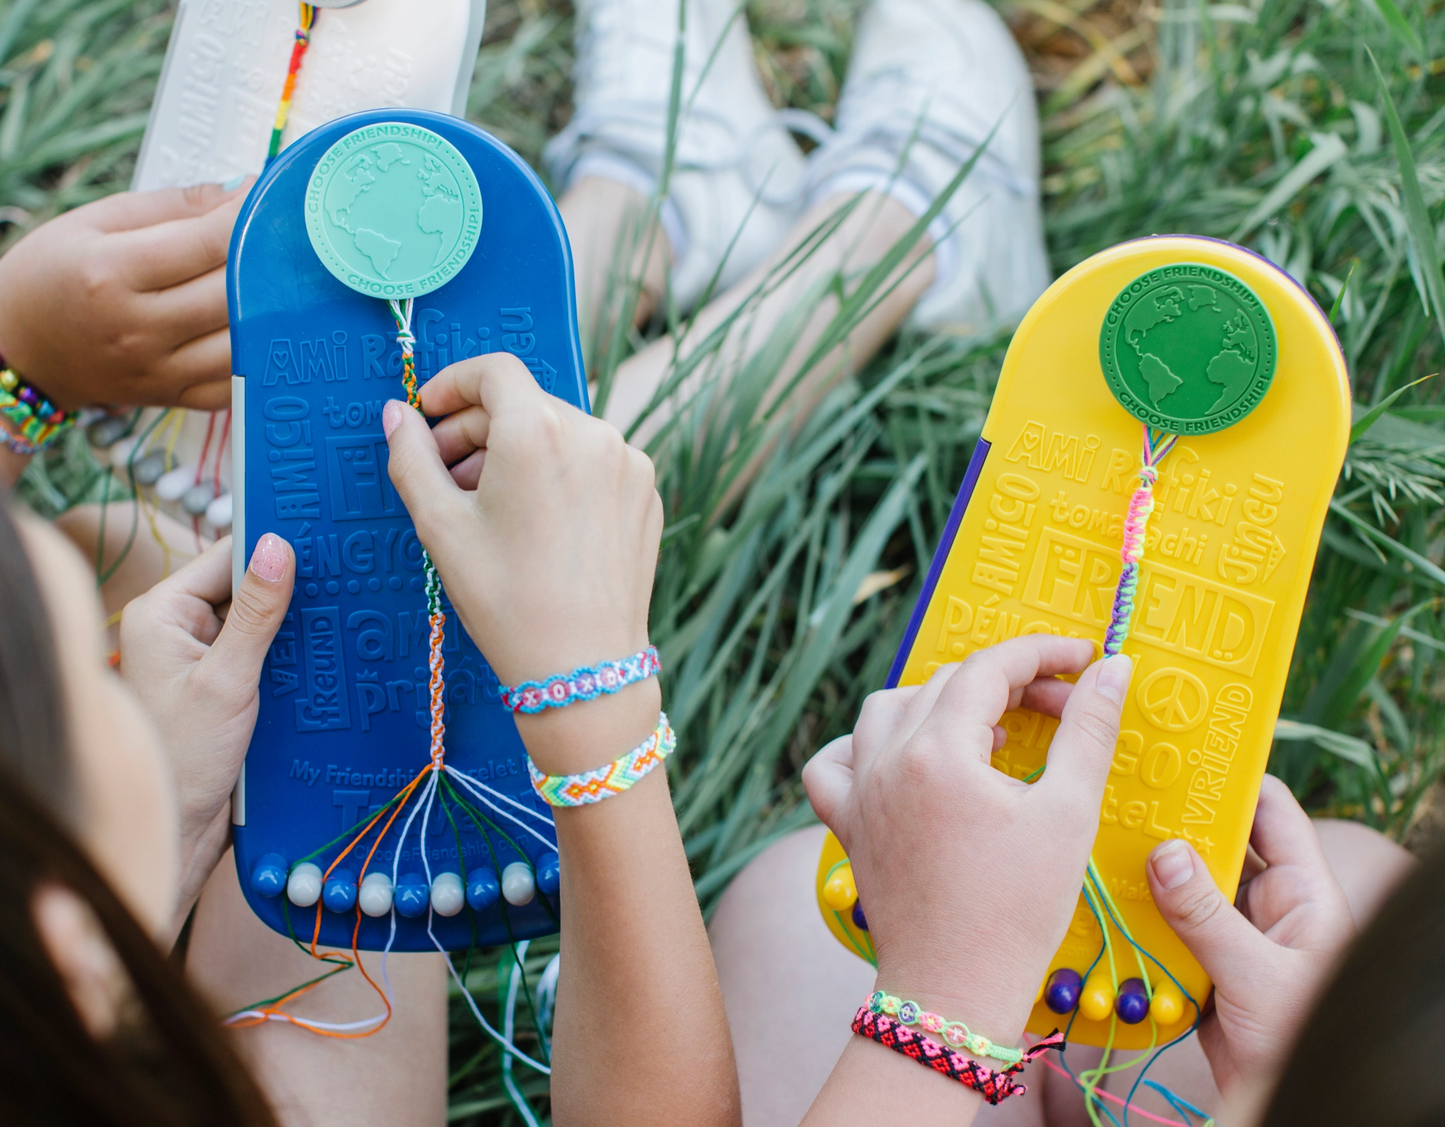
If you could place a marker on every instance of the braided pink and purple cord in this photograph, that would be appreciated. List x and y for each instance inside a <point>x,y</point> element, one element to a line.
<point>1157,445</point>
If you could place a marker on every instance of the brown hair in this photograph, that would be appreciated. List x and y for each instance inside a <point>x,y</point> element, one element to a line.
<point>168,1064</point>
<point>1371,1052</point>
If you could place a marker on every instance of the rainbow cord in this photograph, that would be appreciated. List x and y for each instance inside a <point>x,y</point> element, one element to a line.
<point>1157,445</point>
<point>298,52</point>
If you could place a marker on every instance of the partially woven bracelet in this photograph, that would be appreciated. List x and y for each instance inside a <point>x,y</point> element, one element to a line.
<point>586,682</point>
<point>604,782</point>
<point>995,1087</point>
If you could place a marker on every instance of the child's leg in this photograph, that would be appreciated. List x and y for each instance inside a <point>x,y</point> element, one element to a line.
<point>148,546</point>
<point>791,989</point>
<point>398,1075</point>
<point>861,240</point>
<point>615,244</point>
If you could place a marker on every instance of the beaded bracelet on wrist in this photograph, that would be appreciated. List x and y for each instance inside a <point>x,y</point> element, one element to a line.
<point>28,420</point>
<point>954,1033</point>
<point>584,683</point>
<point>619,775</point>
<point>995,1087</point>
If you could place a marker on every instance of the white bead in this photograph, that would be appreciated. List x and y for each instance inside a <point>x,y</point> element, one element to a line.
<point>447,894</point>
<point>518,883</point>
<point>119,454</point>
<point>218,512</point>
<point>171,485</point>
<point>198,498</point>
<point>303,887</point>
<point>374,896</point>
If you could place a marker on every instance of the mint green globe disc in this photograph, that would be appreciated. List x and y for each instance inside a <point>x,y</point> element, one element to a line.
<point>1188,348</point>
<point>393,210</point>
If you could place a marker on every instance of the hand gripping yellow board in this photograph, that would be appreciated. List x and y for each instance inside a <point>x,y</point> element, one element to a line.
<point>1208,341</point>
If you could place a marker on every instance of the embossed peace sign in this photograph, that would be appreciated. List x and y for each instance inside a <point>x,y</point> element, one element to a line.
<point>1173,700</point>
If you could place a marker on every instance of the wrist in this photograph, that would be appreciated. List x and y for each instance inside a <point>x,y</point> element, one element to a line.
<point>987,1004</point>
<point>590,734</point>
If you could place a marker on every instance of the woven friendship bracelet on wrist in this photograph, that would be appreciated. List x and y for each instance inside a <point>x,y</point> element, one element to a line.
<point>29,421</point>
<point>995,1087</point>
<point>585,683</point>
<point>954,1033</point>
<point>604,782</point>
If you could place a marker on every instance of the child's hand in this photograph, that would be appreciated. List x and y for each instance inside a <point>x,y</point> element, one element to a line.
<point>1268,957</point>
<point>195,664</point>
<point>550,560</point>
<point>968,877</point>
<point>124,300</point>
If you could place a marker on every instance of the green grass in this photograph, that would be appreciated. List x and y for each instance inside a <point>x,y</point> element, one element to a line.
<point>1262,122</point>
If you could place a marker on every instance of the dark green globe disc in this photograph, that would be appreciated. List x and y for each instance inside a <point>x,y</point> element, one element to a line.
<point>1188,348</point>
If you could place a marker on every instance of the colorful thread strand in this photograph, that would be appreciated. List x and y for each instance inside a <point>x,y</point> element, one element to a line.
<point>1157,445</point>
<point>402,312</point>
<point>298,52</point>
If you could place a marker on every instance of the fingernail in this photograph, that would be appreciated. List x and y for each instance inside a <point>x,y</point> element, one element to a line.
<point>234,182</point>
<point>268,561</point>
<point>1172,864</point>
<point>390,416</point>
<point>1114,677</point>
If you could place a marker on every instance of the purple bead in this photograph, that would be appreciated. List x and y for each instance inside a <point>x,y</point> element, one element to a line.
<point>1132,1004</point>
<point>1062,993</point>
<point>860,921</point>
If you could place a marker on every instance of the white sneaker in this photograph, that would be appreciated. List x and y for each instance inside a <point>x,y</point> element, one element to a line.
<point>928,81</point>
<point>738,177</point>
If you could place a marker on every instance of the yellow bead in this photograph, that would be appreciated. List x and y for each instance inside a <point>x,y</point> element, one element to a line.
<point>840,893</point>
<point>1097,1001</point>
<point>1167,1005</point>
<point>7,379</point>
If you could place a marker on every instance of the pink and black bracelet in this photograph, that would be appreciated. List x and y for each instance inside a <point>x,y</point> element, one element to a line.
<point>584,683</point>
<point>995,1087</point>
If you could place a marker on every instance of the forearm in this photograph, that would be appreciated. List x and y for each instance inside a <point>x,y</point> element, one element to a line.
<point>872,1084</point>
<point>641,1036</point>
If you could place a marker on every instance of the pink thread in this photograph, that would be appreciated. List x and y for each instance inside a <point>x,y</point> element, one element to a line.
<point>1110,1096</point>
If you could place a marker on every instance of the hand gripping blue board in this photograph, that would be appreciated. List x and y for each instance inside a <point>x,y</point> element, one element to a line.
<point>343,723</point>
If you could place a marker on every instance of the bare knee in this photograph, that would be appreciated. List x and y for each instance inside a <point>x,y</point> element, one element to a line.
<point>1367,864</point>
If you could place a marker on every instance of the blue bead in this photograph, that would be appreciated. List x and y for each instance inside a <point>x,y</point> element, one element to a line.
<point>1132,1004</point>
<point>268,878</point>
<point>483,889</point>
<point>339,892</point>
<point>413,895</point>
<point>860,921</point>
<point>1062,993</point>
<point>549,873</point>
